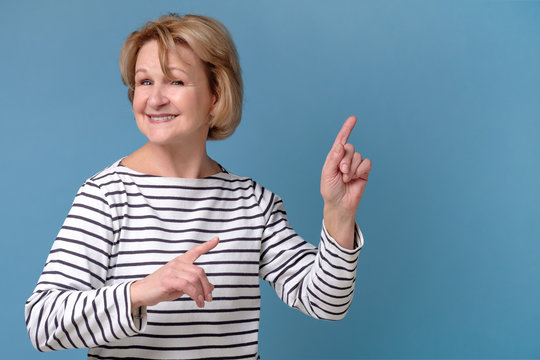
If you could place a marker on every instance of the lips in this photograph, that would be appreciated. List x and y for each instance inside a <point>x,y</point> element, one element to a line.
<point>160,118</point>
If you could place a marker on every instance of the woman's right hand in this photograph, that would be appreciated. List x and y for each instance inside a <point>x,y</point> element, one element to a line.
<point>174,279</point>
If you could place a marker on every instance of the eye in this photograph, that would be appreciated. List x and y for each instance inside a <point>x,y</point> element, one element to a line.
<point>145,82</point>
<point>177,82</point>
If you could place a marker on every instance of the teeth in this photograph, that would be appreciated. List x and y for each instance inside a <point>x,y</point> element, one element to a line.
<point>162,118</point>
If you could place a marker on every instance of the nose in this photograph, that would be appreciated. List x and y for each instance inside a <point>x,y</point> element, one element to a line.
<point>158,97</point>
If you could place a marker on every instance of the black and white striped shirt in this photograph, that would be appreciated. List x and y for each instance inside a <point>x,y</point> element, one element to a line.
<point>124,225</point>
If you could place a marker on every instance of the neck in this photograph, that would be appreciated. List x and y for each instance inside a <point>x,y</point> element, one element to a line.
<point>172,161</point>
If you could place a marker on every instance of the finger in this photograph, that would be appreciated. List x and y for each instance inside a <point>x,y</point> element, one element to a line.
<point>192,254</point>
<point>196,289</point>
<point>356,161</point>
<point>364,169</point>
<point>196,276</point>
<point>208,293</point>
<point>333,159</point>
<point>345,163</point>
<point>204,283</point>
<point>194,283</point>
<point>343,135</point>
<point>191,288</point>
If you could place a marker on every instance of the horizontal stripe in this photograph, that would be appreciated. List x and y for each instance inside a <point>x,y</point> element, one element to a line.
<point>208,274</point>
<point>333,295</point>
<point>222,240</point>
<point>239,357</point>
<point>93,209</point>
<point>233,286</point>
<point>326,302</point>
<point>56,285</point>
<point>196,335</point>
<point>161,263</point>
<point>90,196</point>
<point>340,257</point>
<point>181,231</point>
<point>129,173</point>
<point>337,267</point>
<point>289,263</point>
<point>70,265</point>
<point>338,313</point>
<point>185,221</point>
<point>224,298</point>
<point>169,348</point>
<point>176,187</point>
<point>83,244</point>
<point>183,210</point>
<point>345,279</point>
<point>199,323</point>
<point>154,311</point>
<point>86,232</point>
<point>151,251</point>
<point>82,218</point>
<point>177,198</point>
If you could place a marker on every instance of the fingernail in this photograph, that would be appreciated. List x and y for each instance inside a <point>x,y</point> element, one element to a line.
<point>209,297</point>
<point>200,301</point>
<point>344,168</point>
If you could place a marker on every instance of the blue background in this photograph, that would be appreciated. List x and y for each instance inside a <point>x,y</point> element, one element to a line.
<point>448,99</point>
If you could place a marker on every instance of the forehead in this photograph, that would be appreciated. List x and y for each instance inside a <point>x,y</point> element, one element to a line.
<point>182,57</point>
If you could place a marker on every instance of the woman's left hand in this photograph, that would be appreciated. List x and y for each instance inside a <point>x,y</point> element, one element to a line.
<point>343,181</point>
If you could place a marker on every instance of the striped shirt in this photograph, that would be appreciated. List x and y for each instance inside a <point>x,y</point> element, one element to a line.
<point>124,225</point>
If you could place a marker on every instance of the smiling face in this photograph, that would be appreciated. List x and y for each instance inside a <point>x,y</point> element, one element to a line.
<point>172,111</point>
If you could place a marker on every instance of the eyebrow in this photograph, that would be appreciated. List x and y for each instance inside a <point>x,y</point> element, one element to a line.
<point>170,69</point>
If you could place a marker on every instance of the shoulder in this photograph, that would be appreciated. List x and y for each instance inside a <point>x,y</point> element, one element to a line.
<point>105,176</point>
<point>241,182</point>
<point>265,198</point>
<point>103,182</point>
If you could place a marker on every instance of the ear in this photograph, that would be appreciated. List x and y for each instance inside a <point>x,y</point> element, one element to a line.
<point>213,105</point>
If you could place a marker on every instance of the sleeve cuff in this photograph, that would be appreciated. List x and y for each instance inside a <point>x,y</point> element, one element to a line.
<point>350,254</point>
<point>137,318</point>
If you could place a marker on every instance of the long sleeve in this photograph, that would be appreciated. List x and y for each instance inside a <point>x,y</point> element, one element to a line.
<point>73,304</point>
<point>319,282</point>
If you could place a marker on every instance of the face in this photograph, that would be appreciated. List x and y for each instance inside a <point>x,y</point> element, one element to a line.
<point>172,111</point>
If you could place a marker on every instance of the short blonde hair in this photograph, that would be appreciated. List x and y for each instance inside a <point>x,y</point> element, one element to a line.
<point>212,43</point>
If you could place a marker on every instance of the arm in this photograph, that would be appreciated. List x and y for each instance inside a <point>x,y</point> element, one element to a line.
<point>73,306</point>
<point>319,282</point>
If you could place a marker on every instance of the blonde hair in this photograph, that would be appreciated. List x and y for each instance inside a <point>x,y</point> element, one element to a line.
<point>212,43</point>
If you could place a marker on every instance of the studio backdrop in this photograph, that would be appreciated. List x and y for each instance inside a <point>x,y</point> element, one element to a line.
<point>447,95</point>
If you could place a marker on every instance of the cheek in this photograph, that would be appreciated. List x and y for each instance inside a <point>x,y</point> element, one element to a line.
<point>200,101</point>
<point>139,103</point>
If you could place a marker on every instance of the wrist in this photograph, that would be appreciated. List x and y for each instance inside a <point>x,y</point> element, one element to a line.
<point>338,216</point>
<point>340,226</point>
<point>133,296</point>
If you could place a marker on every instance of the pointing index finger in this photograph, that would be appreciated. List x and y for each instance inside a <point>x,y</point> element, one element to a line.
<point>192,254</point>
<point>343,135</point>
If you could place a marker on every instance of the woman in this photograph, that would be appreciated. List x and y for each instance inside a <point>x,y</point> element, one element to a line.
<point>161,252</point>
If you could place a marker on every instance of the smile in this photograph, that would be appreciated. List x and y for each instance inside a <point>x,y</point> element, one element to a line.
<point>161,118</point>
